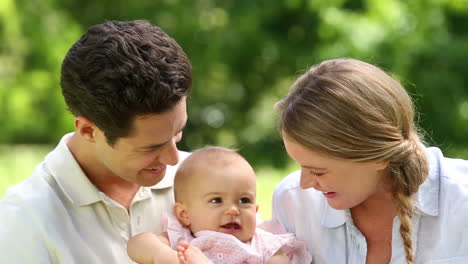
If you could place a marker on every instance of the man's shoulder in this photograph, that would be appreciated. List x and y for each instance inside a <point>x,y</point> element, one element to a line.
<point>34,195</point>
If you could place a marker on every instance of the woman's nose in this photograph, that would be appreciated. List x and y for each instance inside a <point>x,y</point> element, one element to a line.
<point>308,181</point>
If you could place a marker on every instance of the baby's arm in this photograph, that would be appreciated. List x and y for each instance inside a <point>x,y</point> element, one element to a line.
<point>279,258</point>
<point>148,248</point>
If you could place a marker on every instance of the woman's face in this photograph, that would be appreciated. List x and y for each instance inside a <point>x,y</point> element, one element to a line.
<point>344,183</point>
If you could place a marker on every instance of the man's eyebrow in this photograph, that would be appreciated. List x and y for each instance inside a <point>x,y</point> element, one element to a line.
<point>152,146</point>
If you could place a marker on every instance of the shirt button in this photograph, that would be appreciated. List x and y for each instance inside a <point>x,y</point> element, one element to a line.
<point>219,256</point>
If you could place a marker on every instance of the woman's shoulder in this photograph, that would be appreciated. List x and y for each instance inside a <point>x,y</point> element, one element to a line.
<point>448,170</point>
<point>447,184</point>
<point>290,182</point>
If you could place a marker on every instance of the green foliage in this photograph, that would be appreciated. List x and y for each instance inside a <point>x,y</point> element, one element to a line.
<point>18,161</point>
<point>245,55</point>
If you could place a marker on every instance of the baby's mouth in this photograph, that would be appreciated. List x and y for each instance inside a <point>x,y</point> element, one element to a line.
<point>231,226</point>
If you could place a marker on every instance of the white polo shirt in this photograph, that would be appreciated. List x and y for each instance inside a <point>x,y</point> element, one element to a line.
<point>440,224</point>
<point>58,216</point>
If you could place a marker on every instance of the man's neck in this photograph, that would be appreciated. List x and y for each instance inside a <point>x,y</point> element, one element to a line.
<point>116,188</point>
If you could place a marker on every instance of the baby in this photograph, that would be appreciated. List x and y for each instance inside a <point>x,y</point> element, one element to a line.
<point>215,213</point>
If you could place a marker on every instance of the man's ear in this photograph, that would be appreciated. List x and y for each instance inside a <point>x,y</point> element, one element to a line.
<point>85,128</point>
<point>180,211</point>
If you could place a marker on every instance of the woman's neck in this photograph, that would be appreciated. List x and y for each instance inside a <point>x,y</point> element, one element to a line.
<point>379,203</point>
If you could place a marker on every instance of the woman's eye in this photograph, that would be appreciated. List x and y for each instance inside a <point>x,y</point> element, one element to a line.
<point>318,174</point>
<point>216,200</point>
<point>244,200</point>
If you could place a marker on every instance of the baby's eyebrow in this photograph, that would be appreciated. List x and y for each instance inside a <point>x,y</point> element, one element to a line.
<point>212,194</point>
<point>247,194</point>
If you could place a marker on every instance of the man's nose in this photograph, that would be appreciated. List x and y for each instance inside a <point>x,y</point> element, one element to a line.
<point>170,154</point>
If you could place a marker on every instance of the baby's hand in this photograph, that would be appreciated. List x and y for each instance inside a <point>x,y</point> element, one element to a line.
<point>181,249</point>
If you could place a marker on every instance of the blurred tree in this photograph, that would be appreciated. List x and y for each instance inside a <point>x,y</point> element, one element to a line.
<point>245,55</point>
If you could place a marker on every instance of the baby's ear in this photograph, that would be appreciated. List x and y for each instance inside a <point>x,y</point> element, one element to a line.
<point>180,211</point>
<point>256,208</point>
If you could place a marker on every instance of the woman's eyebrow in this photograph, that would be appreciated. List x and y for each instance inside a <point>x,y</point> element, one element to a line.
<point>313,168</point>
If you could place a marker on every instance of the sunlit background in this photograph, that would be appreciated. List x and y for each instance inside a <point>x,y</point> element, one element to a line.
<point>245,55</point>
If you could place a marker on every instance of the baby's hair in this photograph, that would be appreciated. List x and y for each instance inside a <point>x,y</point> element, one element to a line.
<point>353,110</point>
<point>206,158</point>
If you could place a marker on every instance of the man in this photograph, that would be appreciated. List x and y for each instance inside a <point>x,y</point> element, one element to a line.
<point>126,83</point>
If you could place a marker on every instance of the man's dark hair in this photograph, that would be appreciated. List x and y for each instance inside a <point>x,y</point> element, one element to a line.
<point>120,70</point>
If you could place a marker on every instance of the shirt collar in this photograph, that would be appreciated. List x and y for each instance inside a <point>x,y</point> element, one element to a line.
<point>69,175</point>
<point>426,199</point>
<point>332,218</point>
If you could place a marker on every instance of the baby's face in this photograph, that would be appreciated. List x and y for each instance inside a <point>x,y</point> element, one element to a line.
<point>224,200</point>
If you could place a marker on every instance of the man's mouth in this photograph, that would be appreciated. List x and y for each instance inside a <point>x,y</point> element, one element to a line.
<point>156,169</point>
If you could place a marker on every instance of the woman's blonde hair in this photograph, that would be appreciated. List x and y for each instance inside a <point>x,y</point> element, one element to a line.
<point>353,110</point>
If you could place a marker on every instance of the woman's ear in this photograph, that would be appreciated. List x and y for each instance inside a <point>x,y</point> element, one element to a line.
<point>180,211</point>
<point>382,164</point>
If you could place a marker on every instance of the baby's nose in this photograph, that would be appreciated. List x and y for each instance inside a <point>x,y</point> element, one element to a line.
<point>232,210</point>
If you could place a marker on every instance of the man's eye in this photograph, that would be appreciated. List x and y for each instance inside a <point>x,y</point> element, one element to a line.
<point>244,200</point>
<point>318,174</point>
<point>216,200</point>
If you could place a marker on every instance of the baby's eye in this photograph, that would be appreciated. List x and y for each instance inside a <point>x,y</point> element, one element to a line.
<point>244,200</point>
<point>216,200</point>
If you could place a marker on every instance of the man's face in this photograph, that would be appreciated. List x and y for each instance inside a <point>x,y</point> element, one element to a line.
<point>142,156</point>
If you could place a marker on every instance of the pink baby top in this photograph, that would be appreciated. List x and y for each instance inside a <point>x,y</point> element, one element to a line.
<point>227,249</point>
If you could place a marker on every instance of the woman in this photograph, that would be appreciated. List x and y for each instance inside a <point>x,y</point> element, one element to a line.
<point>368,190</point>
